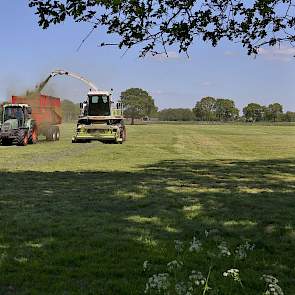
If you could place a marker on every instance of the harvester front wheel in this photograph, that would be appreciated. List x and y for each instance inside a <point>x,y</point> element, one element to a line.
<point>22,138</point>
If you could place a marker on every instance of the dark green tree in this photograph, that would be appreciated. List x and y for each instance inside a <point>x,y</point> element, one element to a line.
<point>289,117</point>
<point>225,110</point>
<point>157,24</point>
<point>137,104</point>
<point>176,115</point>
<point>205,109</point>
<point>274,112</point>
<point>253,112</point>
<point>70,110</point>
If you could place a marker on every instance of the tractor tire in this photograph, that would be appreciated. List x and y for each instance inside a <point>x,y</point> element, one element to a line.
<point>6,142</point>
<point>22,138</point>
<point>33,138</point>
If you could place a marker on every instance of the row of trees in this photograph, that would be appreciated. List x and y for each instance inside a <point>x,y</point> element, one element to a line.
<point>176,115</point>
<point>212,109</point>
<point>255,112</point>
<point>139,104</point>
<point>70,111</point>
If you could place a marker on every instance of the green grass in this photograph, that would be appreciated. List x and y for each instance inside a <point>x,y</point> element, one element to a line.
<point>82,218</point>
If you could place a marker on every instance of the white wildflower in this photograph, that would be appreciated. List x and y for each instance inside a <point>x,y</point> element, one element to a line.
<point>145,265</point>
<point>159,282</point>
<point>195,245</point>
<point>174,265</point>
<point>181,289</point>
<point>224,251</point>
<point>233,274</point>
<point>178,246</point>
<point>241,251</point>
<point>197,278</point>
<point>272,287</point>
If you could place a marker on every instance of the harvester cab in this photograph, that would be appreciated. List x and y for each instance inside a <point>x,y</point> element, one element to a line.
<point>17,126</point>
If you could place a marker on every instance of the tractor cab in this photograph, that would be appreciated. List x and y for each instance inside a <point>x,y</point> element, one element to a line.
<point>17,125</point>
<point>15,115</point>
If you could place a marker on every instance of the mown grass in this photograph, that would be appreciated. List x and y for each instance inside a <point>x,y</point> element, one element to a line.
<point>82,218</point>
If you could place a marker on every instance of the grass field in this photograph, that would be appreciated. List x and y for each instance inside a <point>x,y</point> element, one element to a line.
<point>82,218</point>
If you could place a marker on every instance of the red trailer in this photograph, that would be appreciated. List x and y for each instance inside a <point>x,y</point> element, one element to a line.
<point>46,111</point>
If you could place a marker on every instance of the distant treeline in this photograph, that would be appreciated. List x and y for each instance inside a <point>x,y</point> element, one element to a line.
<point>70,110</point>
<point>212,109</point>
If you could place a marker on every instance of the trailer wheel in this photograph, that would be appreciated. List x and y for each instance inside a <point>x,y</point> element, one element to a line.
<point>22,138</point>
<point>57,132</point>
<point>49,134</point>
<point>52,134</point>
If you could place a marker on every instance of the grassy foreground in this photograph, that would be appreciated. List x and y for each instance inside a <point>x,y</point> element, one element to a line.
<point>82,218</point>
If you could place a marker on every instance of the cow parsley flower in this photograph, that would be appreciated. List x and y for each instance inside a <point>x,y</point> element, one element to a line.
<point>241,251</point>
<point>181,289</point>
<point>178,246</point>
<point>145,265</point>
<point>195,245</point>
<point>174,265</point>
<point>233,274</point>
<point>272,287</point>
<point>159,282</point>
<point>197,278</point>
<point>223,250</point>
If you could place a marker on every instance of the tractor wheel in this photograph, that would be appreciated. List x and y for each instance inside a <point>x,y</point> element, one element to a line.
<point>33,138</point>
<point>22,138</point>
<point>6,142</point>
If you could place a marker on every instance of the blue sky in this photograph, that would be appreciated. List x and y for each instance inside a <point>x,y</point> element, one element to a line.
<point>29,53</point>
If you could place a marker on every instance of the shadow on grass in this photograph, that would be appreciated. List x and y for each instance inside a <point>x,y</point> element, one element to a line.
<point>89,232</point>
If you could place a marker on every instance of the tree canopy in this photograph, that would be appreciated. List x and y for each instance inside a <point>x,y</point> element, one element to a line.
<point>274,111</point>
<point>205,109</point>
<point>157,24</point>
<point>137,103</point>
<point>226,110</point>
<point>179,114</point>
<point>254,112</point>
<point>70,110</point>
